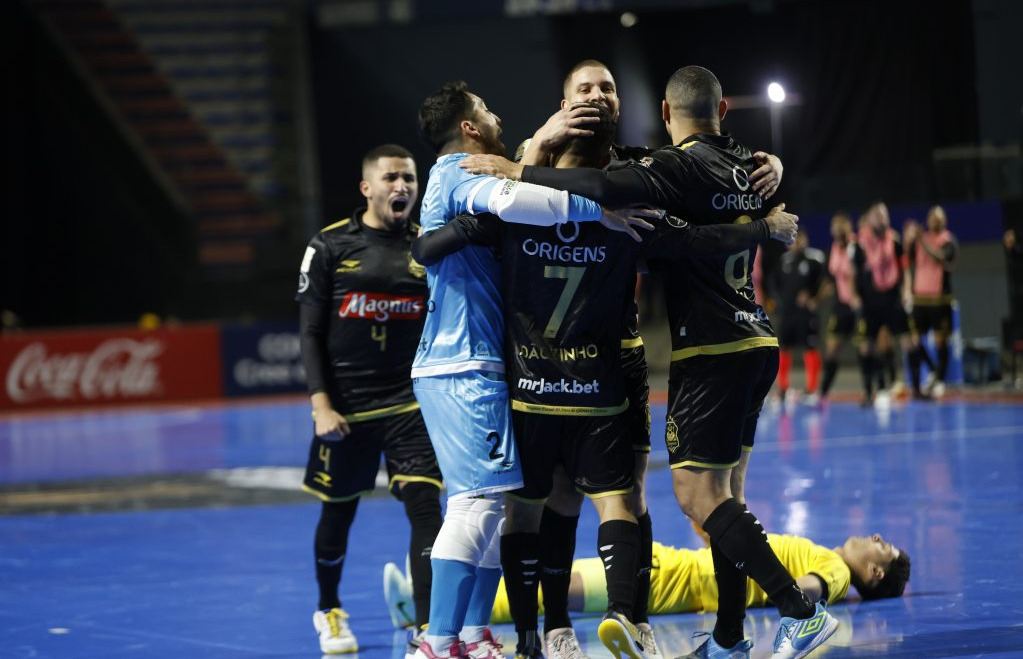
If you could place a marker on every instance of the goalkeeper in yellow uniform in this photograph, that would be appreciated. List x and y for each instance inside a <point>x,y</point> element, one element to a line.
<point>682,580</point>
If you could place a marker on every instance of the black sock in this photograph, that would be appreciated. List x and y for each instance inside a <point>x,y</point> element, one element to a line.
<point>528,645</point>
<point>830,371</point>
<point>557,538</point>
<point>867,374</point>
<point>422,507</point>
<point>329,547</point>
<point>520,560</point>
<point>914,368</point>
<point>742,540</point>
<point>942,369</point>
<point>618,547</point>
<point>889,366</point>
<point>646,554</point>
<point>731,599</point>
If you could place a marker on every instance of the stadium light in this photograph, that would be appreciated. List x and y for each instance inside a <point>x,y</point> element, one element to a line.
<point>776,92</point>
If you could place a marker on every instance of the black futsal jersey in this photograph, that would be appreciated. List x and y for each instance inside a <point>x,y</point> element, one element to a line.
<point>375,294</point>
<point>710,302</point>
<point>568,295</point>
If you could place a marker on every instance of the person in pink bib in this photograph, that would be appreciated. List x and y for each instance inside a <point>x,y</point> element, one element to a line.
<point>932,256</point>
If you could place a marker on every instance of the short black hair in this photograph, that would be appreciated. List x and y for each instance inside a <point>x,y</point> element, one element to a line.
<point>694,91</point>
<point>581,65</point>
<point>386,151</point>
<point>441,112</point>
<point>892,585</point>
<point>594,148</point>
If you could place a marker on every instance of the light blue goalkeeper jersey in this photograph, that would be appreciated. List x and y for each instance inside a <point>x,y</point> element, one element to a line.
<point>464,328</point>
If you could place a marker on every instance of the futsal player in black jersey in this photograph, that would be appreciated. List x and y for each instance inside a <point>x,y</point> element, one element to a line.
<point>568,292</point>
<point>363,303</point>
<point>724,357</point>
<point>587,85</point>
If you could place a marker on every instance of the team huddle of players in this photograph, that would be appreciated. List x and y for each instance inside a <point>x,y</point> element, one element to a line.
<point>528,378</point>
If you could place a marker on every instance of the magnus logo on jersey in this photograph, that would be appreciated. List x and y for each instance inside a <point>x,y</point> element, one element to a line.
<point>380,307</point>
<point>562,386</point>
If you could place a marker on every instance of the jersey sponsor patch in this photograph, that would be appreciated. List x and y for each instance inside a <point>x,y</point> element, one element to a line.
<point>380,307</point>
<point>561,386</point>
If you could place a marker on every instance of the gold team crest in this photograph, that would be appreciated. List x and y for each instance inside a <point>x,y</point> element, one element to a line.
<point>671,435</point>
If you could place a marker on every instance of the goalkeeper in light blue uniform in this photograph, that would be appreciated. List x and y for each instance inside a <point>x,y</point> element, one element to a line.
<point>458,371</point>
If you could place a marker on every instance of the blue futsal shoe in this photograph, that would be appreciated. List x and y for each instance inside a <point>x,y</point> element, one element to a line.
<point>798,638</point>
<point>711,650</point>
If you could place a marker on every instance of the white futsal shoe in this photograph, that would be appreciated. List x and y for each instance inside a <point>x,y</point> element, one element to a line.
<point>398,595</point>
<point>564,644</point>
<point>336,636</point>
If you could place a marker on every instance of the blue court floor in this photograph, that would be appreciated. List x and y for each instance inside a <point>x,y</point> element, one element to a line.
<point>943,481</point>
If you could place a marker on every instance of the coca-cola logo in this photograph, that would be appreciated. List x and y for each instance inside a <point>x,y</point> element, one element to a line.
<point>379,307</point>
<point>116,368</point>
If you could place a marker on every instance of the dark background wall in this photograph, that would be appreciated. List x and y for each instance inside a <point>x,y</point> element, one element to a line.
<point>909,101</point>
<point>882,84</point>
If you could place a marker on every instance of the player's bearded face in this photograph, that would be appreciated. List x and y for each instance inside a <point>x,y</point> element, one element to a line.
<point>489,126</point>
<point>391,188</point>
<point>594,84</point>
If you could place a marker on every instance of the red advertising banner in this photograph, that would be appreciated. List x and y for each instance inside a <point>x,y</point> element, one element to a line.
<point>112,366</point>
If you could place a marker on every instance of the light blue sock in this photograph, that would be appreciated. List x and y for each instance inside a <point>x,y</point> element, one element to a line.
<point>453,587</point>
<point>482,603</point>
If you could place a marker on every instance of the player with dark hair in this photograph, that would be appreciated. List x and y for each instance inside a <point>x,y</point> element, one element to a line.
<point>845,313</point>
<point>595,448</point>
<point>882,289</point>
<point>725,353</point>
<point>458,371</point>
<point>590,82</point>
<point>682,580</point>
<point>363,301</point>
<point>795,284</point>
<point>932,256</point>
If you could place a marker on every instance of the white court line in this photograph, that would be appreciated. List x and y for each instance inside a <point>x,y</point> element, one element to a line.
<point>896,438</point>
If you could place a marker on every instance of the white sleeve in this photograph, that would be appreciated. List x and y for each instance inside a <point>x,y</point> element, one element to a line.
<point>527,203</point>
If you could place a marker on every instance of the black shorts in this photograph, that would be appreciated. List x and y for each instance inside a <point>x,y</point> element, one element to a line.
<point>843,321</point>
<point>593,450</point>
<point>637,387</point>
<point>927,317</point>
<point>798,329</point>
<point>714,403</point>
<point>343,469</point>
<point>883,310</point>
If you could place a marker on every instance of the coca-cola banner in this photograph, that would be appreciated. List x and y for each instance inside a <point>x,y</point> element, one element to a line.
<point>262,359</point>
<point>102,367</point>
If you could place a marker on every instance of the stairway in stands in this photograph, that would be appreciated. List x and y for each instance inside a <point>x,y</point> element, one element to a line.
<point>191,79</point>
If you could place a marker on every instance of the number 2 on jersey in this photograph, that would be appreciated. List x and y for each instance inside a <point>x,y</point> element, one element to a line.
<point>494,439</point>
<point>574,277</point>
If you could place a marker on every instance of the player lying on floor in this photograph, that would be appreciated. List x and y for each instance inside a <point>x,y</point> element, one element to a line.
<point>682,580</point>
